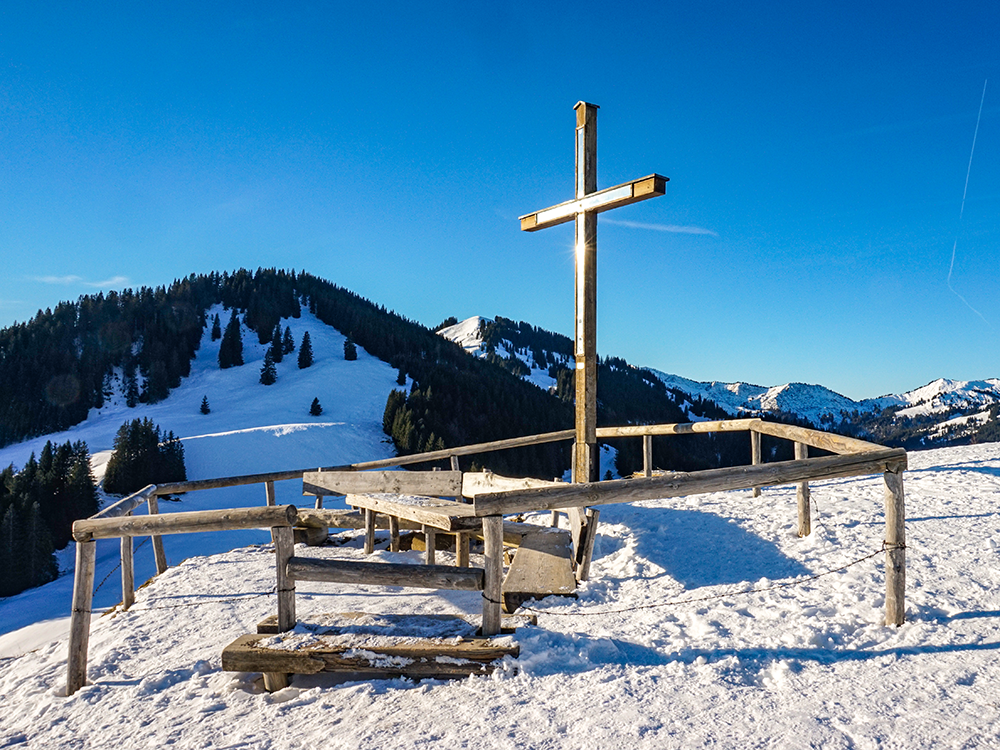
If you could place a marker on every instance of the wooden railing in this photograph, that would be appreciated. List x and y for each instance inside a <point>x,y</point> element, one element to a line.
<point>852,457</point>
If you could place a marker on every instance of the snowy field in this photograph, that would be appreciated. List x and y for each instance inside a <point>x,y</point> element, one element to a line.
<point>624,666</point>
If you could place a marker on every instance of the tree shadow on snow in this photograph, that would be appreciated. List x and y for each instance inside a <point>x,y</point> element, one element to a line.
<point>703,549</point>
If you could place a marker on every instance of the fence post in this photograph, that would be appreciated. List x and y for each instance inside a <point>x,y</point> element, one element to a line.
<point>802,494</point>
<point>493,549</point>
<point>128,573</point>
<point>158,553</point>
<point>755,454</point>
<point>284,548</point>
<point>647,455</point>
<point>895,548</point>
<point>269,492</point>
<point>79,624</point>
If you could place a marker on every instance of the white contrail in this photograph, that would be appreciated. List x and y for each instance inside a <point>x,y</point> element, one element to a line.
<point>674,228</point>
<point>961,211</point>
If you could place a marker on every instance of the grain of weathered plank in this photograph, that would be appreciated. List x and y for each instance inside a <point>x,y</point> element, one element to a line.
<point>128,573</point>
<point>802,494</point>
<point>823,440</point>
<point>493,580</point>
<point>446,515</point>
<point>284,548</point>
<point>542,566</point>
<point>482,482</point>
<point>895,553</point>
<point>386,574</point>
<point>447,483</point>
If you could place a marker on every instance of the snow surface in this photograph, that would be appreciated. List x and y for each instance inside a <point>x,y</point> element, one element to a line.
<point>802,666</point>
<point>626,665</point>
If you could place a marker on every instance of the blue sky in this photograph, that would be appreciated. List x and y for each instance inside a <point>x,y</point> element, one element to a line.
<point>817,153</point>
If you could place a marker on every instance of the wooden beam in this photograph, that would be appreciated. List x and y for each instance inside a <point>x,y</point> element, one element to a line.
<point>493,575</point>
<point>437,483</point>
<point>681,484</point>
<point>386,574</point>
<point>596,202</point>
<point>127,504</point>
<point>895,548</point>
<point>447,515</point>
<point>369,531</point>
<point>393,534</point>
<point>284,548</point>
<point>802,494</point>
<point>128,573</point>
<point>817,439</point>
<point>269,493</point>
<point>430,543</point>
<point>79,624</point>
<point>481,482</point>
<point>183,523</point>
<point>676,428</point>
<point>346,519</point>
<point>755,455</point>
<point>158,552</point>
<point>647,455</point>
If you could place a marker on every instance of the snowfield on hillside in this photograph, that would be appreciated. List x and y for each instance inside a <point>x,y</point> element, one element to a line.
<point>644,658</point>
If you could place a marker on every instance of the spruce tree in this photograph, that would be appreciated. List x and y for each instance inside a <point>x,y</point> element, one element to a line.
<point>216,328</point>
<point>231,348</point>
<point>131,387</point>
<point>305,352</point>
<point>205,408</point>
<point>350,350</point>
<point>268,372</point>
<point>401,377</point>
<point>277,353</point>
<point>315,409</point>
<point>287,342</point>
<point>143,456</point>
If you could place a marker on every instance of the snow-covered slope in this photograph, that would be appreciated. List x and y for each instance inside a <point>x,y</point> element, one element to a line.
<point>252,428</point>
<point>634,662</point>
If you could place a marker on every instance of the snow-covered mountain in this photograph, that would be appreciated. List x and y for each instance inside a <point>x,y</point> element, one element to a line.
<point>953,409</point>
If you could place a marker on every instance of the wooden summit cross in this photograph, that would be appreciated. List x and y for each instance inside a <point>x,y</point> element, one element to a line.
<point>584,208</point>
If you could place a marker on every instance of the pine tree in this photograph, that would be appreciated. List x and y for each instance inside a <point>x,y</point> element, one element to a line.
<point>142,456</point>
<point>131,387</point>
<point>231,348</point>
<point>216,328</point>
<point>315,409</point>
<point>277,353</point>
<point>268,372</point>
<point>350,350</point>
<point>287,342</point>
<point>205,408</point>
<point>401,377</point>
<point>305,352</point>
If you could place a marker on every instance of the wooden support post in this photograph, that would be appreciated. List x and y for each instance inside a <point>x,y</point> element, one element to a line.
<point>393,534</point>
<point>284,548</point>
<point>587,538</point>
<point>128,573</point>
<point>158,553</point>
<point>454,463</point>
<point>647,455</point>
<point>462,549</point>
<point>755,455</point>
<point>269,492</point>
<point>430,539</point>
<point>492,597</point>
<point>802,494</point>
<point>895,549</point>
<point>369,531</point>
<point>319,502</point>
<point>79,624</point>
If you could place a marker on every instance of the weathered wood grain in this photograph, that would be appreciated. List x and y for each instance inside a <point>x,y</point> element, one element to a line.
<point>284,548</point>
<point>802,494</point>
<point>481,482</point>
<point>447,483</point>
<point>823,440</point>
<point>79,624</point>
<point>542,566</point>
<point>386,574</point>
<point>493,580</point>
<point>158,552</point>
<point>895,552</point>
<point>127,504</point>
<point>446,515</point>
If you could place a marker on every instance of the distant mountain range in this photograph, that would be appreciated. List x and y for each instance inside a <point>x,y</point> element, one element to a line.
<point>939,413</point>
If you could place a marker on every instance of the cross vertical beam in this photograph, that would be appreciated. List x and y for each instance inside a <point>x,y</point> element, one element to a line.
<point>585,337</point>
<point>588,201</point>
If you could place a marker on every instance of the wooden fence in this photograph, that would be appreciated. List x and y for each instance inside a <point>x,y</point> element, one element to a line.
<point>851,457</point>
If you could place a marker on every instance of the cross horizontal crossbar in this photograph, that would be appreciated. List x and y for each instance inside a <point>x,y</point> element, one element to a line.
<point>603,200</point>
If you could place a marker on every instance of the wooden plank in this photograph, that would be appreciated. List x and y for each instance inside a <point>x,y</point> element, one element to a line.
<point>542,566</point>
<point>183,523</point>
<point>446,515</point>
<point>454,463</point>
<point>647,455</point>
<point>823,440</point>
<point>128,573</point>
<point>448,483</point>
<point>400,622</point>
<point>481,482</point>
<point>680,484</point>
<point>586,551</point>
<point>895,552</point>
<point>284,548</point>
<point>386,574</point>
<point>493,575</point>
<point>802,494</point>
<point>345,519</point>
<point>462,549</point>
<point>676,428</point>
<point>79,625</point>
<point>269,493</point>
<point>158,552</point>
<point>755,455</point>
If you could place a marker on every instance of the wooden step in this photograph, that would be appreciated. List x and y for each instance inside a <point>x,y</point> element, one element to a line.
<point>415,646</point>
